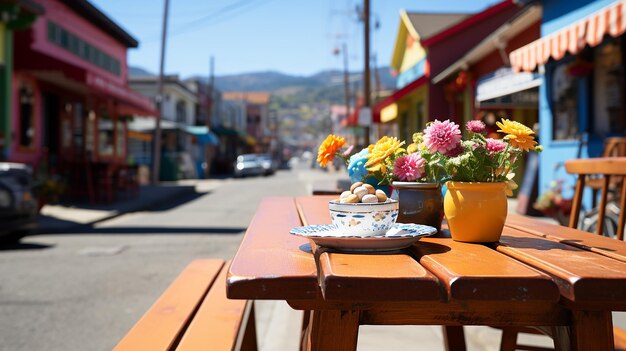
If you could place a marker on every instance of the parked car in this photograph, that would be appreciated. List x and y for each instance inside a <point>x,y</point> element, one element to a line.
<point>18,206</point>
<point>268,164</point>
<point>248,164</point>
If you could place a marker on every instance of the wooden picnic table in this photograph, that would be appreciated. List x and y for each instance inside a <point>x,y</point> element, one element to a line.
<point>563,280</point>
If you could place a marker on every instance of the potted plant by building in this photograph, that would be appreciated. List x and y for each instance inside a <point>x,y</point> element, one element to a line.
<point>479,174</point>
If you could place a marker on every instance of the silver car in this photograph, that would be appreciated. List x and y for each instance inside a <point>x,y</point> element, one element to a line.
<point>248,165</point>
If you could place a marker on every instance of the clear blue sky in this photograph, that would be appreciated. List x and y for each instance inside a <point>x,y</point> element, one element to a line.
<point>290,36</point>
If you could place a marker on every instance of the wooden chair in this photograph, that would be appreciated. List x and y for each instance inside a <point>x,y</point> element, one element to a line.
<point>607,168</point>
<point>613,147</point>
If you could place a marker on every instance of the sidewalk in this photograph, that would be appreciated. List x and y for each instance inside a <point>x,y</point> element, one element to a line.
<point>65,217</point>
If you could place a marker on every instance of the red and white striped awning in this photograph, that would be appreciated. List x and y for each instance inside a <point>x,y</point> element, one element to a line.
<point>587,31</point>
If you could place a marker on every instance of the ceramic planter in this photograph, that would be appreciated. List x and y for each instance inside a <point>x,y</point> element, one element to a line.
<point>475,212</point>
<point>420,203</point>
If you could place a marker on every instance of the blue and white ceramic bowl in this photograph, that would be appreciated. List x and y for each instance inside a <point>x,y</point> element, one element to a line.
<point>363,219</point>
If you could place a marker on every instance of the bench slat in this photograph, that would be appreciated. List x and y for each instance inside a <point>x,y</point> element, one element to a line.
<point>219,321</point>
<point>161,326</point>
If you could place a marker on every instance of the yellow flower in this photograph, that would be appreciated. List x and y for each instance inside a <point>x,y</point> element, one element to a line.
<point>518,135</point>
<point>328,149</point>
<point>379,152</point>
<point>412,148</point>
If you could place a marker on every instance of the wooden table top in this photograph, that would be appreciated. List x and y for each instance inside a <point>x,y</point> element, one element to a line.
<point>534,262</point>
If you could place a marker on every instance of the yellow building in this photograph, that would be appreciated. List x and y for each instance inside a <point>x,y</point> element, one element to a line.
<point>406,110</point>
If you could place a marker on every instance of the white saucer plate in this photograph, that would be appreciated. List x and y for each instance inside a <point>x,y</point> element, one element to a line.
<point>400,235</point>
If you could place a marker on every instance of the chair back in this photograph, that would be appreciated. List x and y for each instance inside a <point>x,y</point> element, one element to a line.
<point>614,147</point>
<point>606,167</point>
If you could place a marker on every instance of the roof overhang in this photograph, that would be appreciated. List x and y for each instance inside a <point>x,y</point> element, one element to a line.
<point>468,22</point>
<point>495,41</point>
<point>397,95</point>
<point>589,30</point>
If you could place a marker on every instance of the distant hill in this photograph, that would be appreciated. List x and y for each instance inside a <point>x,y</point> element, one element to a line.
<point>323,87</point>
<point>138,72</point>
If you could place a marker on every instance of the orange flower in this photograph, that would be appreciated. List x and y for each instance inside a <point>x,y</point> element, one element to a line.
<point>328,149</point>
<point>379,152</point>
<point>518,135</point>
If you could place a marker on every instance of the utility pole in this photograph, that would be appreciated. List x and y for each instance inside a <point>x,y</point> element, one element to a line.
<point>211,91</point>
<point>366,69</point>
<point>346,79</point>
<point>156,152</point>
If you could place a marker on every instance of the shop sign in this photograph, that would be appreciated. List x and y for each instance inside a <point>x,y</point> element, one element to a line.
<point>522,99</point>
<point>505,82</point>
<point>411,74</point>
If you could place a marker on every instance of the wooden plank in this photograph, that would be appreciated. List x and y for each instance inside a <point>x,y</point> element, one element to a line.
<point>583,277</point>
<point>162,325</point>
<point>599,244</point>
<point>219,323</point>
<point>457,313</point>
<point>367,277</point>
<point>384,277</point>
<point>477,272</point>
<point>597,165</point>
<point>270,262</point>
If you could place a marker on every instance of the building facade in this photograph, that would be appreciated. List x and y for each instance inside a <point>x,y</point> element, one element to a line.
<point>581,97</point>
<point>70,97</point>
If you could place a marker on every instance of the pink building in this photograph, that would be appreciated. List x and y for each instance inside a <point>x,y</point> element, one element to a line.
<point>70,93</point>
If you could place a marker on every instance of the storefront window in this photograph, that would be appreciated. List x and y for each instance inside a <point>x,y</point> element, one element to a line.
<point>105,135</point>
<point>27,117</point>
<point>608,90</point>
<point>564,103</point>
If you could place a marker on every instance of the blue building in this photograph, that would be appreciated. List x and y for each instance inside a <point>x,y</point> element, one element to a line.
<point>581,55</point>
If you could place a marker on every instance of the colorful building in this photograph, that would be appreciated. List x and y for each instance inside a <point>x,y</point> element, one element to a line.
<point>70,97</point>
<point>581,97</point>
<point>427,44</point>
<point>15,15</point>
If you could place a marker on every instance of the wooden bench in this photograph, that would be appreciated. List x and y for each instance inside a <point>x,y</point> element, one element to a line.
<point>195,314</point>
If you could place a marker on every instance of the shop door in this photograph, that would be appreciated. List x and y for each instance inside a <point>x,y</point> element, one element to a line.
<point>51,120</point>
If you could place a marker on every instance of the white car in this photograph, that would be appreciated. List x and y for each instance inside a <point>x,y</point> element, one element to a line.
<point>248,165</point>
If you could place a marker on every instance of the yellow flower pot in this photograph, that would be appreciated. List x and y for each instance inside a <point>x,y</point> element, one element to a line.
<point>475,212</point>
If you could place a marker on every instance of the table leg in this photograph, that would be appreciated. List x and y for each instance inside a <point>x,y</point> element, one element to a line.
<point>332,330</point>
<point>454,338</point>
<point>590,330</point>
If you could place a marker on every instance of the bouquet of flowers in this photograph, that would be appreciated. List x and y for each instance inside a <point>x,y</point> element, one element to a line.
<point>437,154</point>
<point>373,164</point>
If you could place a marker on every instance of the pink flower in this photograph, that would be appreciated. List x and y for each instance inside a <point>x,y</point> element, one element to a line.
<point>409,168</point>
<point>495,146</point>
<point>456,151</point>
<point>348,151</point>
<point>475,126</point>
<point>442,136</point>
